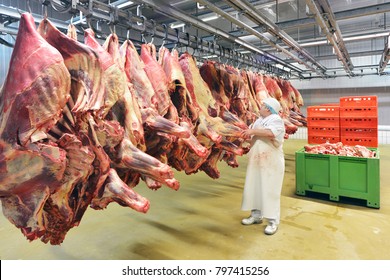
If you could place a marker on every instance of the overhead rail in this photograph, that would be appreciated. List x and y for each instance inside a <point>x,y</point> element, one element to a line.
<point>112,15</point>
<point>374,9</point>
<point>250,11</point>
<point>326,20</point>
<point>177,14</point>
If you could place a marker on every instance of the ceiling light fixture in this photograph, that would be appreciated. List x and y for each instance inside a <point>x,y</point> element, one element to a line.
<point>353,38</point>
<point>124,5</point>
<point>209,18</point>
<point>177,25</point>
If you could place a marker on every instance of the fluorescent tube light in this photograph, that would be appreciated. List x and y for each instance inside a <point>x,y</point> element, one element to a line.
<point>209,18</point>
<point>177,25</point>
<point>314,43</point>
<point>369,36</point>
<point>124,5</point>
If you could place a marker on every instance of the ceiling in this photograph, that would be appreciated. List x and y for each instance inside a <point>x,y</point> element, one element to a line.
<point>302,39</point>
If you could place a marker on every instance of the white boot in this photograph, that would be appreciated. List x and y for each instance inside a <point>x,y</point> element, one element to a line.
<point>252,220</point>
<point>271,228</point>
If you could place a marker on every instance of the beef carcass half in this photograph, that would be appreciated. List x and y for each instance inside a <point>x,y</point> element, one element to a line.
<point>31,101</point>
<point>86,70</point>
<point>126,151</point>
<point>162,132</point>
<point>210,125</point>
<point>159,80</point>
<point>211,74</point>
<point>54,156</point>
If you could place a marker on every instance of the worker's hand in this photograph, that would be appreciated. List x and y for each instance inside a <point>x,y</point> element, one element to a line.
<point>246,134</point>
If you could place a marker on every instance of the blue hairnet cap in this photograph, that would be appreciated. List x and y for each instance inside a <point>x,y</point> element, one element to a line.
<point>272,104</point>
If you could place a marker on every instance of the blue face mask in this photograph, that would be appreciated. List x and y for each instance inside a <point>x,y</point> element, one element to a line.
<point>270,109</point>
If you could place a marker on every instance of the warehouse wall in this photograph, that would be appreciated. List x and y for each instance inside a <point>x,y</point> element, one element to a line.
<point>319,91</point>
<point>5,56</point>
<point>322,91</point>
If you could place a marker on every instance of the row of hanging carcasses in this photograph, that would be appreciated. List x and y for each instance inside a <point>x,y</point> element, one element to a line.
<point>81,123</point>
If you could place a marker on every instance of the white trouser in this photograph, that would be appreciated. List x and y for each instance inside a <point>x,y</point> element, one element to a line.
<point>255,213</point>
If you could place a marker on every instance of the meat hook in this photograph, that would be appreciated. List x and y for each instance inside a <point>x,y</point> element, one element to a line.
<point>165,36</point>
<point>188,41</point>
<point>196,45</point>
<point>177,38</point>
<point>28,6</point>
<point>201,53</point>
<point>153,29</point>
<point>143,28</point>
<point>44,11</point>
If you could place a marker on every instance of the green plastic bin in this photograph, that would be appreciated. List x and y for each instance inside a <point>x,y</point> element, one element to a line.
<point>338,176</point>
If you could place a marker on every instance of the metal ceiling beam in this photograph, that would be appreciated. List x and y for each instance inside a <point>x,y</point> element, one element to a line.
<point>343,15</point>
<point>179,15</point>
<point>325,19</point>
<point>253,14</point>
<point>313,67</point>
<point>15,14</point>
<point>98,10</point>
<point>251,30</point>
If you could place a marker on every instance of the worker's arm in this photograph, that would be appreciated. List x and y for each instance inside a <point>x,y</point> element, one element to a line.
<point>260,132</point>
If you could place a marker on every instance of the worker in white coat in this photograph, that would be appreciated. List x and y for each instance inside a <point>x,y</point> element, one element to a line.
<point>265,171</point>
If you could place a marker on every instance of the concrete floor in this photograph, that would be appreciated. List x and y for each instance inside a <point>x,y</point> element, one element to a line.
<point>202,221</point>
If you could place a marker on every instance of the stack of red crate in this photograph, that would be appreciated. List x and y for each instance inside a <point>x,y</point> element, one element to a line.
<point>323,124</point>
<point>359,120</point>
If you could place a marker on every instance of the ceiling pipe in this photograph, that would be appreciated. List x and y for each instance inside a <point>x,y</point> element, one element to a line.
<point>325,19</point>
<point>253,14</point>
<point>254,32</point>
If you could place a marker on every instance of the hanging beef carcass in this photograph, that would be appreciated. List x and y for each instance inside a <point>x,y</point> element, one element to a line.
<point>86,68</point>
<point>31,100</point>
<point>254,100</point>
<point>126,110</point>
<point>79,134</point>
<point>257,82</point>
<point>55,156</point>
<point>162,132</point>
<point>275,91</point>
<point>208,116</point>
<point>160,172</point>
<point>184,158</point>
<point>289,98</point>
<point>272,87</point>
<point>296,113</point>
<point>159,80</point>
<point>211,74</point>
<point>188,109</point>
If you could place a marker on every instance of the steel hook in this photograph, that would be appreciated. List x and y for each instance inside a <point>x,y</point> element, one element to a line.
<point>177,38</point>
<point>28,6</point>
<point>143,29</point>
<point>196,45</point>
<point>165,36</point>
<point>153,30</point>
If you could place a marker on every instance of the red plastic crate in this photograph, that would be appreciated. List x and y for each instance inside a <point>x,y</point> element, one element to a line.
<point>323,121</point>
<point>323,111</point>
<point>359,132</point>
<point>358,112</point>
<point>361,122</point>
<point>362,141</point>
<point>314,139</point>
<point>359,101</point>
<point>323,131</point>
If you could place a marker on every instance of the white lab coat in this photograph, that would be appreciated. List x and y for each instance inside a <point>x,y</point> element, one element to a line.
<point>265,171</point>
